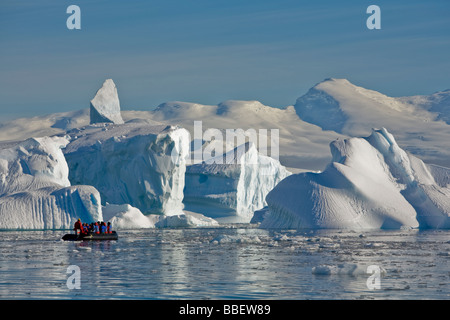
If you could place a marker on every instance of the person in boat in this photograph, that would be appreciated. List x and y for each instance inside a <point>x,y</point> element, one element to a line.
<point>85,228</point>
<point>108,228</point>
<point>103,228</point>
<point>96,228</point>
<point>78,226</point>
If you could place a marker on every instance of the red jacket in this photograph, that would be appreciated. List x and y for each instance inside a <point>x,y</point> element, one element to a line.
<point>78,226</point>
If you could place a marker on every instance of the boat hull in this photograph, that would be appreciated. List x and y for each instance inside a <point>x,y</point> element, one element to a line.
<point>90,236</point>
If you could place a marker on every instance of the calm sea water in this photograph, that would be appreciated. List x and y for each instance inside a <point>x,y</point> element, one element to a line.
<point>227,263</point>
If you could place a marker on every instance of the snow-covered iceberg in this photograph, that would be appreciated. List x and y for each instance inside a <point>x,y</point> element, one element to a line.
<point>370,183</point>
<point>35,192</point>
<point>133,163</point>
<point>235,188</point>
<point>105,106</point>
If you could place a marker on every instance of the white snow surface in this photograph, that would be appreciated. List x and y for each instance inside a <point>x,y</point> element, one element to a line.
<point>35,192</point>
<point>105,106</point>
<point>235,189</point>
<point>132,163</point>
<point>33,164</point>
<point>419,123</point>
<point>371,183</point>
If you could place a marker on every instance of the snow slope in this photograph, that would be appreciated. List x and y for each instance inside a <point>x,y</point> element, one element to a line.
<point>370,183</point>
<point>132,163</point>
<point>45,125</point>
<point>416,122</point>
<point>235,188</point>
<point>437,103</point>
<point>35,191</point>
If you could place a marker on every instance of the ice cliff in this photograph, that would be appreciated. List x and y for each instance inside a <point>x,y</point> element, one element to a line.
<point>132,163</point>
<point>235,188</point>
<point>105,106</point>
<point>370,183</point>
<point>35,192</point>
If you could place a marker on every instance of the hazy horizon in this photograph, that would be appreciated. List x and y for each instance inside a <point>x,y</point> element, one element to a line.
<point>211,51</point>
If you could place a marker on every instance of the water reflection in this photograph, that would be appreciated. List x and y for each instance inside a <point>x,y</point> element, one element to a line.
<point>226,263</point>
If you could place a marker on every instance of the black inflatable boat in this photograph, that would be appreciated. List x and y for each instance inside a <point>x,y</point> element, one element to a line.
<point>90,236</point>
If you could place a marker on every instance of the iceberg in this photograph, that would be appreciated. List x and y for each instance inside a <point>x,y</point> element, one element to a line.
<point>32,164</point>
<point>232,190</point>
<point>127,217</point>
<point>105,106</point>
<point>124,216</point>
<point>371,183</point>
<point>35,192</point>
<point>185,220</point>
<point>50,208</point>
<point>133,163</point>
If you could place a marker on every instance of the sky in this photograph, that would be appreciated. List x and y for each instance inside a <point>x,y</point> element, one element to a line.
<point>209,51</point>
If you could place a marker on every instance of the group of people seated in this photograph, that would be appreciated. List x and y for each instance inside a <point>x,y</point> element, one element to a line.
<point>94,227</point>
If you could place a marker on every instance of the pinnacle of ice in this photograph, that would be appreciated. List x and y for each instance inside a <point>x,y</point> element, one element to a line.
<point>105,107</point>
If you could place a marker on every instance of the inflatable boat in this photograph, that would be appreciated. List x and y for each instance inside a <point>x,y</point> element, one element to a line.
<point>90,236</point>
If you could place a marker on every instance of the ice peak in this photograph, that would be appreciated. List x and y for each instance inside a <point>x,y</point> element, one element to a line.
<point>105,106</point>
<point>385,134</point>
<point>336,80</point>
<point>239,106</point>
